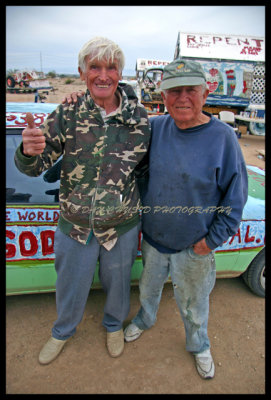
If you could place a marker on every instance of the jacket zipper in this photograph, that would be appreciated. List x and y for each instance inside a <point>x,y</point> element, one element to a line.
<point>101,151</point>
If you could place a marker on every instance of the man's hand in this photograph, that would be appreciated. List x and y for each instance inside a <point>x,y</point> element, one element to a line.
<point>201,248</point>
<point>33,138</point>
<point>72,98</point>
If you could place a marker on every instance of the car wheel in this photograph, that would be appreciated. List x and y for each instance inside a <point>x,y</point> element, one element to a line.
<point>23,84</point>
<point>11,81</point>
<point>257,128</point>
<point>254,276</point>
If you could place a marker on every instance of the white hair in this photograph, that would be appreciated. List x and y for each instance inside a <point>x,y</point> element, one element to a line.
<point>101,48</point>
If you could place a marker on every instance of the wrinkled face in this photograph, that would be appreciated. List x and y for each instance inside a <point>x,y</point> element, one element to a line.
<point>184,104</point>
<point>102,78</point>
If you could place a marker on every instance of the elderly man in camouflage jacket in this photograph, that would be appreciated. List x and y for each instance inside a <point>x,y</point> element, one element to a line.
<point>102,139</point>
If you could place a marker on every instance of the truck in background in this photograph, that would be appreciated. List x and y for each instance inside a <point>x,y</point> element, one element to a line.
<point>25,78</point>
<point>149,73</point>
<point>28,81</point>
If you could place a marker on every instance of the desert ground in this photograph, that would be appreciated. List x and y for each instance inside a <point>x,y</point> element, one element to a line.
<point>157,363</point>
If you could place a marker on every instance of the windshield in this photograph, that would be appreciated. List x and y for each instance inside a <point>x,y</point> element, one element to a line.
<point>21,188</point>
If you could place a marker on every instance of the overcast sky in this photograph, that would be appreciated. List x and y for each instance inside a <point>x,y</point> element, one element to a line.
<point>48,38</point>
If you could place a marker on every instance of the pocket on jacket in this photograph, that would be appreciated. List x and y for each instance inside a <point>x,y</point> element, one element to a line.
<point>113,207</point>
<point>77,207</point>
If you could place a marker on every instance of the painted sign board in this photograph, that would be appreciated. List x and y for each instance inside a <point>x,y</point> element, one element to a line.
<point>30,234</point>
<point>218,46</point>
<point>228,62</point>
<point>144,63</point>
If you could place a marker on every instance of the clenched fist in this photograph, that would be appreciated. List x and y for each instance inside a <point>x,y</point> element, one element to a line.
<point>33,138</point>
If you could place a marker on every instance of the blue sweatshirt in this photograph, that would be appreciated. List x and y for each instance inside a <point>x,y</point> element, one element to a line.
<point>197,185</point>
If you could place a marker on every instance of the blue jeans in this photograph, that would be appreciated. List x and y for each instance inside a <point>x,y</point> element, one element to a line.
<point>75,265</point>
<point>193,278</point>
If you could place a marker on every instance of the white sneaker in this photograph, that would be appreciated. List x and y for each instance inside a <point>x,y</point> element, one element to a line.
<point>205,364</point>
<point>132,332</point>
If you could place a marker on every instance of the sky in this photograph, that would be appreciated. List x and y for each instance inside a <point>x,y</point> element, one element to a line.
<point>49,38</point>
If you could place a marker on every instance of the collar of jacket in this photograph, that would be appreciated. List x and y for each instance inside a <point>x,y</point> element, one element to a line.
<point>129,108</point>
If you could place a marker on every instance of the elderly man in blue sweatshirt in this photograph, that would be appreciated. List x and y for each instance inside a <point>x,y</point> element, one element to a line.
<point>193,196</point>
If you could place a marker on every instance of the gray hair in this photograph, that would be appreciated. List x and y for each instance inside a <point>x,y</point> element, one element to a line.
<point>101,48</point>
<point>204,86</point>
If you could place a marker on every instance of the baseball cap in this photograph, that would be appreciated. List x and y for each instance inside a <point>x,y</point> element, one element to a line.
<point>182,73</point>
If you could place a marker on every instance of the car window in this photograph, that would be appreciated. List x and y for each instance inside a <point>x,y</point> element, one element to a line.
<point>21,188</point>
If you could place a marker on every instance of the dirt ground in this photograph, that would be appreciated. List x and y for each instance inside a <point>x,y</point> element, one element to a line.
<point>157,363</point>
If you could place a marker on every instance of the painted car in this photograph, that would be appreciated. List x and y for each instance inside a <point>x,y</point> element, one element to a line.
<point>32,212</point>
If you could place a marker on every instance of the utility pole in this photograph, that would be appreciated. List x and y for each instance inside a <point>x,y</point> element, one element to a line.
<point>40,63</point>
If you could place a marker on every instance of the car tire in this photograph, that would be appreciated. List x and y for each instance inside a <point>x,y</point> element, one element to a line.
<point>254,276</point>
<point>11,81</point>
<point>257,128</point>
<point>23,84</point>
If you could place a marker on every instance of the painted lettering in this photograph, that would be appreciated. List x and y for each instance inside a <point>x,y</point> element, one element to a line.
<point>250,50</point>
<point>31,216</point>
<point>216,39</point>
<point>258,42</point>
<point>55,216</point>
<point>19,120</point>
<point>46,237</point>
<point>238,234</point>
<point>190,39</point>
<point>139,243</point>
<point>247,238</point>
<point>40,216</point>
<point>241,41</point>
<point>38,243</point>
<point>47,216</point>
<point>32,240</point>
<point>10,248</point>
<point>28,244</point>
<point>228,40</point>
<point>22,217</point>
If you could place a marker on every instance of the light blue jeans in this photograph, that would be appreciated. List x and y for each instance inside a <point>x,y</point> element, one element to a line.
<point>75,264</point>
<point>193,278</point>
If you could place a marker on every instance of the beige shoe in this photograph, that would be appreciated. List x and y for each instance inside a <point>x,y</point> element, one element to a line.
<point>51,350</point>
<point>115,343</point>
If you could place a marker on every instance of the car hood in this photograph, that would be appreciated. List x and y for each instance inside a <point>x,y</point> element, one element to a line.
<point>15,113</point>
<point>30,107</point>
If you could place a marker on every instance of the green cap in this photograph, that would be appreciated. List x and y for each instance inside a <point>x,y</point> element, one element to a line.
<point>182,73</point>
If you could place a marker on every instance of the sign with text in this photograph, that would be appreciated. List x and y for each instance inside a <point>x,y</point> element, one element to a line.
<point>30,234</point>
<point>217,46</point>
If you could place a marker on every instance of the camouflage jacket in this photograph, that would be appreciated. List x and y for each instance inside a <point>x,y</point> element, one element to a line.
<point>98,190</point>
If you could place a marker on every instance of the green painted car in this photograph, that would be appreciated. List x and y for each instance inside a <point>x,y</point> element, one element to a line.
<point>32,212</point>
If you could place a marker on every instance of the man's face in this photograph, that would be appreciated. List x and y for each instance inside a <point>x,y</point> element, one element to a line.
<point>102,78</point>
<point>184,104</point>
